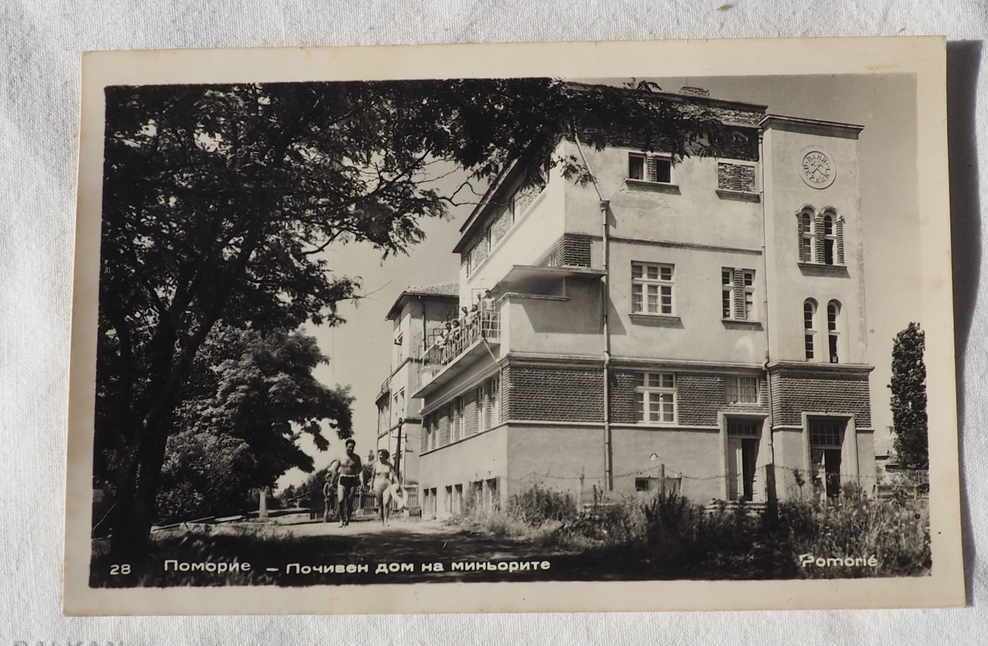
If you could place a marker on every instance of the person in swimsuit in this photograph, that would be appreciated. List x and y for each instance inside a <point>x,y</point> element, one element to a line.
<point>350,472</point>
<point>329,491</point>
<point>384,479</point>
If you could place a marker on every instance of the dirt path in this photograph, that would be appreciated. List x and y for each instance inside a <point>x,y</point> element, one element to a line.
<point>294,551</point>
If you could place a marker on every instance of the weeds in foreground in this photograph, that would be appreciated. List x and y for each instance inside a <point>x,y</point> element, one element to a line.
<point>676,538</point>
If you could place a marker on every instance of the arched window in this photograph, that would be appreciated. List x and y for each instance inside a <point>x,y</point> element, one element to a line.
<point>829,239</point>
<point>804,224</point>
<point>809,331</point>
<point>833,330</point>
<point>820,236</point>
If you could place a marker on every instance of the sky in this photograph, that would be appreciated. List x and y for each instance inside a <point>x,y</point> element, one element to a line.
<point>360,349</point>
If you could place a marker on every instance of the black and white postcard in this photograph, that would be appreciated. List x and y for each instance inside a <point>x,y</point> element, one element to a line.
<point>575,327</point>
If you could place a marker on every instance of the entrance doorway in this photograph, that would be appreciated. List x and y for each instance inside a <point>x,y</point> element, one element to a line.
<point>743,439</point>
<point>826,452</point>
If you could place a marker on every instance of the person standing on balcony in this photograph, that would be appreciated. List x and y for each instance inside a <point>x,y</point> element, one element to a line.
<point>455,339</point>
<point>473,320</point>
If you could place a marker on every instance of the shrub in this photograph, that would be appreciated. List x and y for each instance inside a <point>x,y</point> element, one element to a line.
<point>539,504</point>
<point>895,531</point>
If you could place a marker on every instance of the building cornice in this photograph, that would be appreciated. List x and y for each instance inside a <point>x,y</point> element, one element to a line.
<point>815,126</point>
<point>810,367</point>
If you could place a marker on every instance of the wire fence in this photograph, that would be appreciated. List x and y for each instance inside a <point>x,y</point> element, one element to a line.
<point>787,482</point>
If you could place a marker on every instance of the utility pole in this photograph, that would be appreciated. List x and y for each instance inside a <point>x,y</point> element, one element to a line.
<point>401,422</point>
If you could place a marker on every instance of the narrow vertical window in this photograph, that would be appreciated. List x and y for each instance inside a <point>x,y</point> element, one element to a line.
<point>494,386</point>
<point>833,316</point>
<point>457,419</point>
<point>829,239</point>
<point>809,332</point>
<point>479,409</point>
<point>636,166</point>
<point>806,236</point>
<point>748,278</point>
<point>726,292</point>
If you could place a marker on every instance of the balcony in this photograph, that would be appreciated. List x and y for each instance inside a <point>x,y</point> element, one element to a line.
<point>454,346</point>
<point>450,342</point>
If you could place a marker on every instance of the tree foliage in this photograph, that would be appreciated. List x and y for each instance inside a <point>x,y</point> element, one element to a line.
<point>222,203</point>
<point>251,398</point>
<point>908,385</point>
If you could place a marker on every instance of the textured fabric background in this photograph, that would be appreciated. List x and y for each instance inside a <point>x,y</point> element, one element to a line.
<point>40,44</point>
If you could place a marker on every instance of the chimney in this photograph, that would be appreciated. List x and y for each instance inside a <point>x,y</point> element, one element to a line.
<point>694,91</point>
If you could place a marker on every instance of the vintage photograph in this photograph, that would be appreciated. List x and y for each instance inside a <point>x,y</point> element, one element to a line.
<point>530,328</point>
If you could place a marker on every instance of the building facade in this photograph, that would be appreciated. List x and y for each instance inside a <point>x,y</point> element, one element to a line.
<point>696,324</point>
<point>417,316</point>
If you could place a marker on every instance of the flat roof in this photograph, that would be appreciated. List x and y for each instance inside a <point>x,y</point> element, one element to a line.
<point>442,291</point>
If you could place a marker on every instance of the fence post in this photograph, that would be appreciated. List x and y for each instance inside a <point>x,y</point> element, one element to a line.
<point>579,495</point>
<point>262,511</point>
<point>662,479</point>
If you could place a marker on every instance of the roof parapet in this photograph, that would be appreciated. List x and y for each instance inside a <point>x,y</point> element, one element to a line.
<point>815,126</point>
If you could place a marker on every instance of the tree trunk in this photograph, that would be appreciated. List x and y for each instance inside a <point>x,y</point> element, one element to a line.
<point>135,511</point>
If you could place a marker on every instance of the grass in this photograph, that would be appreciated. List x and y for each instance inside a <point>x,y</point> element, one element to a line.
<point>673,538</point>
<point>634,538</point>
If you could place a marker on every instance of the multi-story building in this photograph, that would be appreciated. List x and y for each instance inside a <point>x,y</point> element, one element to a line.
<point>417,315</point>
<point>694,323</point>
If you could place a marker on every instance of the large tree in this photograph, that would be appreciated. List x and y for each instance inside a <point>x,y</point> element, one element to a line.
<point>250,399</point>
<point>221,202</point>
<point>908,386</point>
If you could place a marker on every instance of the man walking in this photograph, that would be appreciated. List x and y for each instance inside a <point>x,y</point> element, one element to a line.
<point>350,476</point>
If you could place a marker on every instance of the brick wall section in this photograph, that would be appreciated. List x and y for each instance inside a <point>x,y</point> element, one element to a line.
<point>570,250</point>
<point>624,400</point>
<point>575,250</point>
<point>845,394</point>
<point>553,394</point>
<point>699,398</point>
<point>736,177</point>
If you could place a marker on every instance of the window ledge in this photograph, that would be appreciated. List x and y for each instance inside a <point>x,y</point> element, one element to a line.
<point>670,320</point>
<point>820,268</point>
<point>740,323</point>
<point>744,196</point>
<point>659,187</point>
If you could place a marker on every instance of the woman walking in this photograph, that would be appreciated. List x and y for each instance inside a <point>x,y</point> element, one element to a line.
<point>384,478</point>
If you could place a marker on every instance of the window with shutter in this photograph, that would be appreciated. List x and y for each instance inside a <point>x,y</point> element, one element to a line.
<point>651,167</point>
<point>737,294</point>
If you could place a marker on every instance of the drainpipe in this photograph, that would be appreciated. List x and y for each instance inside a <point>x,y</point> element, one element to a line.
<point>605,330</point>
<point>768,339</point>
<point>604,308</point>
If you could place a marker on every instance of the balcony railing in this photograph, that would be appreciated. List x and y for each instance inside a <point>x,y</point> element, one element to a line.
<point>451,340</point>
